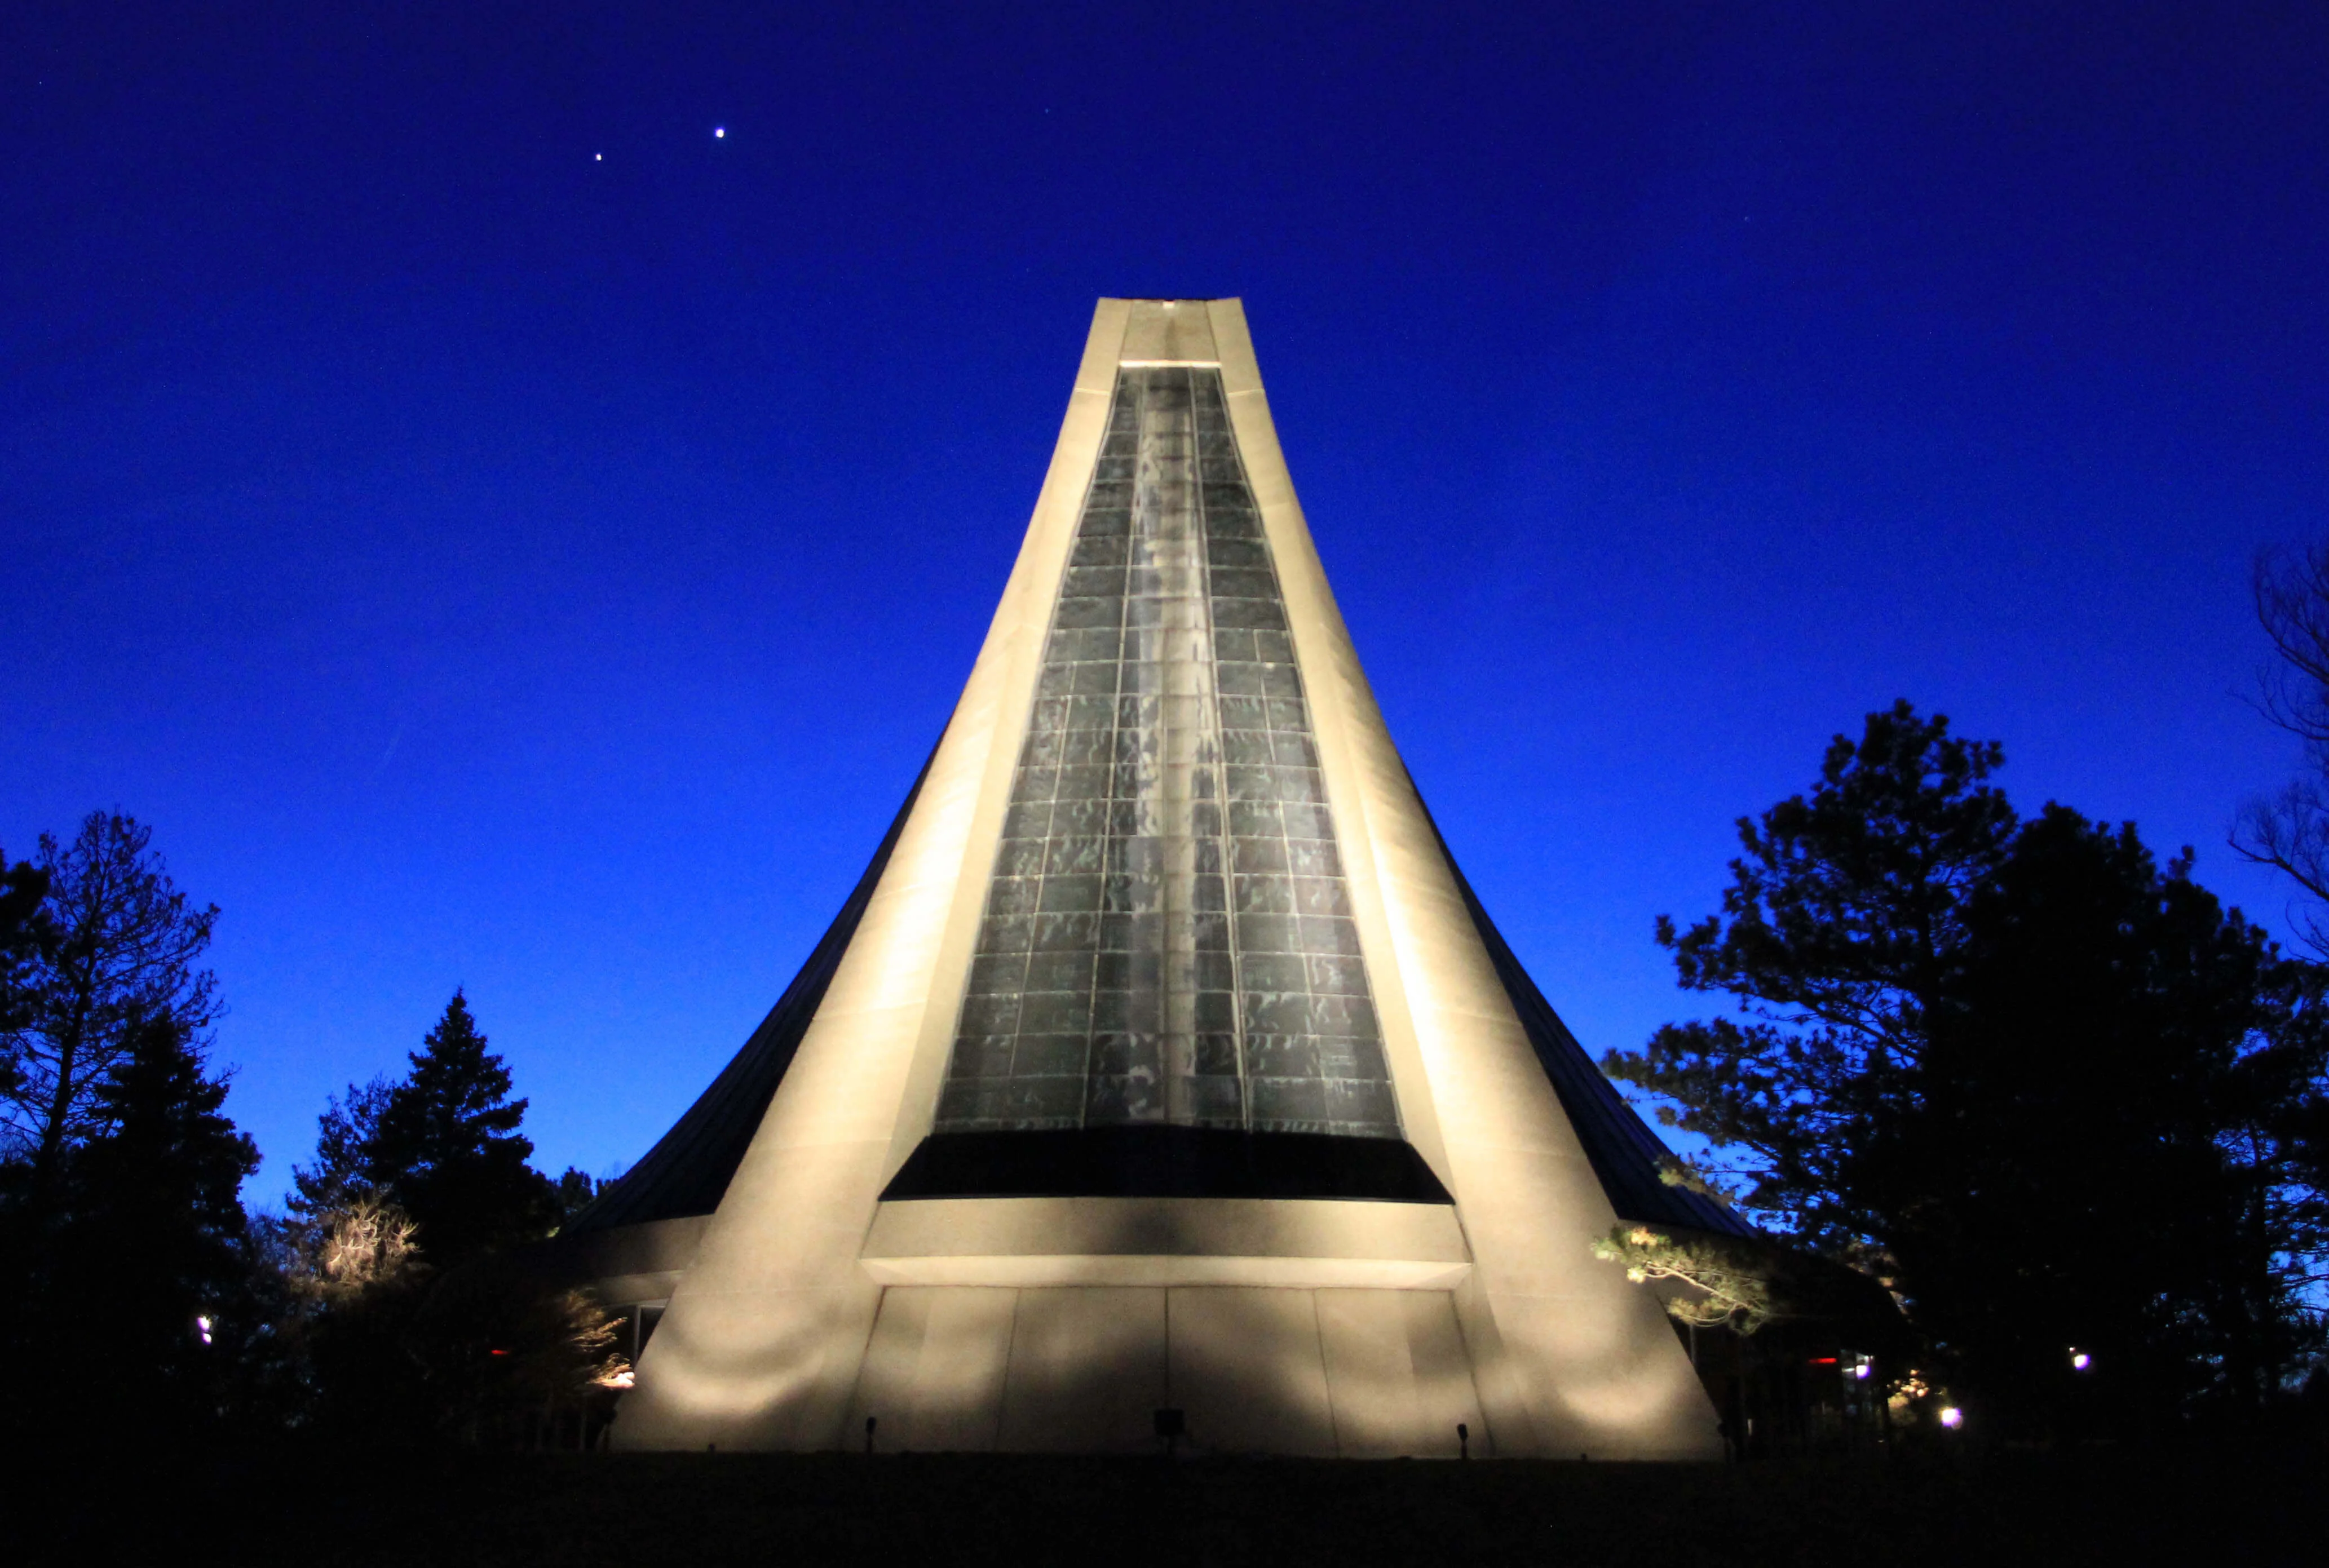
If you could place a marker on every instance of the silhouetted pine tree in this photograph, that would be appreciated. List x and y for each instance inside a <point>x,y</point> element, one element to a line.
<point>120,948</point>
<point>2063,1100</point>
<point>405,1325</point>
<point>25,936</point>
<point>574,1192</point>
<point>148,1258</point>
<point>24,932</point>
<point>345,1134</point>
<point>447,1148</point>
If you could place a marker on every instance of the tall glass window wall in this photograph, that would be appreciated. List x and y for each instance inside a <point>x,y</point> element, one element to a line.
<point>1167,939</point>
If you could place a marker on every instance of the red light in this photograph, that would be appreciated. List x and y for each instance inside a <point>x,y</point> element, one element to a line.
<point>1817,1360</point>
<point>497,1352</point>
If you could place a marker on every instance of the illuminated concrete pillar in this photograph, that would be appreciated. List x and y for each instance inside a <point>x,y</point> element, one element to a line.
<point>1163,1059</point>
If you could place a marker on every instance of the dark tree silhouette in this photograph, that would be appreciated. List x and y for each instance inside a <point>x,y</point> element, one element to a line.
<point>2290,830</point>
<point>24,933</point>
<point>122,952</point>
<point>2096,1158</point>
<point>446,1148</point>
<point>24,936</point>
<point>345,1134</point>
<point>408,1324</point>
<point>130,1287</point>
<point>572,1194</point>
<point>2048,1089</point>
<point>1843,921</point>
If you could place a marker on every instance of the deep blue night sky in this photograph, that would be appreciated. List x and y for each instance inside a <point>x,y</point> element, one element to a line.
<point>500,534</point>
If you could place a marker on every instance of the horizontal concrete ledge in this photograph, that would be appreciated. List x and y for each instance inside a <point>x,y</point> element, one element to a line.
<point>611,1256</point>
<point>1169,364</point>
<point>1303,1242</point>
<point>1034,1271</point>
<point>635,1290</point>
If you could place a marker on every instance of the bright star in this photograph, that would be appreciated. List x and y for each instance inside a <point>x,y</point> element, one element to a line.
<point>718,131</point>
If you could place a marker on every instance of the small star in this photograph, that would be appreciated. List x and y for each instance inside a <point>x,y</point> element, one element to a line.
<point>718,132</point>
<point>598,158</point>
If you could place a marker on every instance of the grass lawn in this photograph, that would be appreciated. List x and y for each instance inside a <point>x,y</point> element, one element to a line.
<point>2197,1505</point>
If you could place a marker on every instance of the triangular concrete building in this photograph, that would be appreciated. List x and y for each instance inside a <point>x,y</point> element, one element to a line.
<point>1162,1060</point>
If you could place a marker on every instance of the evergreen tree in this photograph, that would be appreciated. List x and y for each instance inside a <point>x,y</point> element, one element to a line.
<point>122,946</point>
<point>446,1148</point>
<point>2057,1093</point>
<point>1844,921</point>
<point>2092,1161</point>
<point>345,1137</point>
<point>412,1182</point>
<point>24,932</point>
<point>149,1256</point>
<point>24,936</point>
<point>574,1192</point>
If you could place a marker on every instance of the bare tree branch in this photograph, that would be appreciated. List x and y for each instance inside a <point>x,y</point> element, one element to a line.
<point>2289,831</point>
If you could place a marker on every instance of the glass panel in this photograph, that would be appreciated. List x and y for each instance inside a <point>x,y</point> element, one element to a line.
<point>1168,937</point>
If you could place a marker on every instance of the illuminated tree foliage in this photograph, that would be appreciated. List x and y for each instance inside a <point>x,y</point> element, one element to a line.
<point>2056,1092</point>
<point>1729,1285</point>
<point>497,1349</point>
<point>365,1245</point>
<point>409,1323</point>
<point>355,1281</point>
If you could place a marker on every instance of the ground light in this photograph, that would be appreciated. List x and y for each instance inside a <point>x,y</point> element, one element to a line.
<point>2080,1360</point>
<point>1952,1417</point>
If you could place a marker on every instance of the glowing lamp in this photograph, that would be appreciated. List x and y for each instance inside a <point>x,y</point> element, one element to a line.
<point>1952,1417</point>
<point>2080,1361</point>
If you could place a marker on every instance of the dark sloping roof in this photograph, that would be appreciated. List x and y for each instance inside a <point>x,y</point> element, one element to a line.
<point>687,1171</point>
<point>1625,1152</point>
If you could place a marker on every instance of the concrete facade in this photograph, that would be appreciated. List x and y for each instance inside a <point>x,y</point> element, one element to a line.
<point>1314,1326</point>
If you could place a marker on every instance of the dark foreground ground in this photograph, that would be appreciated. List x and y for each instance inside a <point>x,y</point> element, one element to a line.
<point>2204,1505</point>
